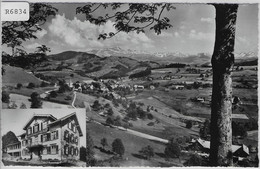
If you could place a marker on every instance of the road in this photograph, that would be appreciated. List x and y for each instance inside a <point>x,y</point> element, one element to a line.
<point>75,95</point>
<point>137,133</point>
<point>147,136</point>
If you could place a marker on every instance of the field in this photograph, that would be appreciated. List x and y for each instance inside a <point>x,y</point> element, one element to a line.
<point>131,157</point>
<point>20,99</point>
<point>14,75</point>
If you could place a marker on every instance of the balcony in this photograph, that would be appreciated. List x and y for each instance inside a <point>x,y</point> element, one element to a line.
<point>34,144</point>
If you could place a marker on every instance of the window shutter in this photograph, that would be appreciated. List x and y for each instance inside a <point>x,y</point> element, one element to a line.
<point>33,129</point>
<point>65,135</point>
<point>41,138</point>
<point>41,127</point>
<point>57,134</point>
<point>48,136</point>
<point>57,149</point>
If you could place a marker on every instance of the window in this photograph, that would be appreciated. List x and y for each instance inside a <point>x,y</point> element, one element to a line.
<point>66,135</point>
<point>44,125</point>
<point>45,138</point>
<point>36,139</point>
<point>76,151</point>
<point>23,142</point>
<point>76,140</point>
<point>25,152</point>
<point>66,150</point>
<point>72,150</point>
<point>29,142</point>
<point>54,149</point>
<point>69,125</point>
<point>73,127</point>
<point>72,138</point>
<point>44,151</point>
<point>36,128</point>
<point>29,130</point>
<point>54,135</point>
<point>48,150</point>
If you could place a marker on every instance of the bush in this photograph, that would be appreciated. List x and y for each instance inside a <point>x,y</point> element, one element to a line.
<point>53,94</point>
<point>5,97</point>
<point>149,116</point>
<point>110,121</point>
<point>110,112</point>
<point>188,124</point>
<point>96,105</point>
<point>147,152</point>
<point>103,142</point>
<point>23,106</point>
<point>68,97</point>
<point>36,100</point>
<point>31,85</point>
<point>194,160</point>
<point>44,84</point>
<point>19,86</point>
<point>150,124</point>
<point>107,105</point>
<point>172,149</point>
<point>118,147</point>
<point>13,105</point>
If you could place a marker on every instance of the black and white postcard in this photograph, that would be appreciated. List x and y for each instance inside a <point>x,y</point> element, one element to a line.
<point>127,84</point>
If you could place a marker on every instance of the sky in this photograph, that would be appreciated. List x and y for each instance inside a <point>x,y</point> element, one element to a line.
<point>14,120</point>
<point>193,32</point>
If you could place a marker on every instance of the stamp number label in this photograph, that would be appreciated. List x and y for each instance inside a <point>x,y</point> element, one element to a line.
<point>14,11</point>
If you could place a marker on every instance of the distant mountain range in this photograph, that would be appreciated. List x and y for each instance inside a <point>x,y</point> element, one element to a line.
<point>165,57</point>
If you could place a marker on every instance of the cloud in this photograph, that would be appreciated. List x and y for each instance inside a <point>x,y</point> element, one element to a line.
<point>165,34</point>
<point>176,34</point>
<point>41,33</point>
<point>32,46</point>
<point>241,39</point>
<point>201,35</point>
<point>182,27</point>
<point>77,34</point>
<point>207,20</point>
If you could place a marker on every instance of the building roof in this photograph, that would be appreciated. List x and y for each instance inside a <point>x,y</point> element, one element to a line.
<point>55,120</point>
<point>239,116</point>
<point>14,143</point>
<point>39,115</point>
<point>206,144</point>
<point>68,117</point>
<point>245,149</point>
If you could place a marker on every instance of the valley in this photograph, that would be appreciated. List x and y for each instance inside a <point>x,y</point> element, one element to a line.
<point>125,96</point>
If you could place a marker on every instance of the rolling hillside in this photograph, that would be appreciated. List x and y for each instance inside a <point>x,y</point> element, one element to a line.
<point>14,75</point>
<point>87,64</point>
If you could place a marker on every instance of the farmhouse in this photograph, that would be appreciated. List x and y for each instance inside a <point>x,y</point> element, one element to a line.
<point>204,146</point>
<point>138,87</point>
<point>178,87</point>
<point>47,137</point>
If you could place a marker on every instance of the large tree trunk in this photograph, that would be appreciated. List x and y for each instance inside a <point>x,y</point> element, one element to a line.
<point>221,106</point>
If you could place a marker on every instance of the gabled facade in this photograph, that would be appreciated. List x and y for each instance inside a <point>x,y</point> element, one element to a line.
<point>48,138</point>
<point>14,149</point>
